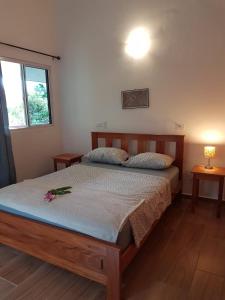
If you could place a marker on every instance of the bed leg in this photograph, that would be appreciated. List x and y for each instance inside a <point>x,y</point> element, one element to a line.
<point>113,275</point>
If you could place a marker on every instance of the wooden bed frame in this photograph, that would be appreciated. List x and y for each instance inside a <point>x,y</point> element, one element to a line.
<point>92,258</point>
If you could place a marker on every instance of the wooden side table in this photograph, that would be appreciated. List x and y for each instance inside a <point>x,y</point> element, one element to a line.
<point>66,158</point>
<point>215,174</point>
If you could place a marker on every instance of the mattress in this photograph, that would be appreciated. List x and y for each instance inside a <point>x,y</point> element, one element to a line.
<point>125,236</point>
<point>172,173</point>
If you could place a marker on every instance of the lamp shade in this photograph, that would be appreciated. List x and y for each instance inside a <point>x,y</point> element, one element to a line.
<point>209,151</point>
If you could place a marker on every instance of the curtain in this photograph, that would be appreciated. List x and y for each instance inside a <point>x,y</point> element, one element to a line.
<point>7,167</point>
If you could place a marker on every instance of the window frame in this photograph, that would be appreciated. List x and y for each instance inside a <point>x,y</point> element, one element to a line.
<point>47,70</point>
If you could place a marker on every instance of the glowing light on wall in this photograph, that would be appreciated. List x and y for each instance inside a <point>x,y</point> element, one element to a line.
<point>138,43</point>
<point>212,137</point>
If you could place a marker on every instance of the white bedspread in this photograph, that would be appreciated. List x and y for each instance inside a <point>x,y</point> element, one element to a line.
<point>100,202</point>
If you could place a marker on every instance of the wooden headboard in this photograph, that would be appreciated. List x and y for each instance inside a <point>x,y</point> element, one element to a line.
<point>142,140</point>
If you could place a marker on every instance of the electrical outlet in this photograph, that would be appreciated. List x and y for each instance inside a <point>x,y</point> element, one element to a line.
<point>178,126</point>
<point>102,125</point>
<point>98,125</point>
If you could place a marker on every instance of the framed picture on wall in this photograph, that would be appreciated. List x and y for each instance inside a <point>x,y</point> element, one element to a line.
<point>138,98</point>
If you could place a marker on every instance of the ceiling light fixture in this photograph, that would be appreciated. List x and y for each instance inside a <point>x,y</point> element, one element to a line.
<point>138,43</point>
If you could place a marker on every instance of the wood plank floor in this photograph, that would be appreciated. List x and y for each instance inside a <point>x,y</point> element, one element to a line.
<point>184,258</point>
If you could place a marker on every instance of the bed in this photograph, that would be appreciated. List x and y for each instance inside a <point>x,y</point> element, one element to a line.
<point>101,255</point>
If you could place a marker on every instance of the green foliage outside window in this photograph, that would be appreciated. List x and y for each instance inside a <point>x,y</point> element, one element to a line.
<point>38,105</point>
<point>16,115</point>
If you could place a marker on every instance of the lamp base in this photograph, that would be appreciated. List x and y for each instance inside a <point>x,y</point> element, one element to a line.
<point>208,167</point>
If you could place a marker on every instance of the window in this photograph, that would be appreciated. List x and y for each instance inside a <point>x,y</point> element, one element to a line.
<point>27,94</point>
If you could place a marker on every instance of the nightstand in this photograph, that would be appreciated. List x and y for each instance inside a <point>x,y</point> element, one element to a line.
<point>66,158</point>
<point>215,174</point>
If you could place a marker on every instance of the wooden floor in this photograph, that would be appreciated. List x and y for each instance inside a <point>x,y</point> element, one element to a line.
<point>184,258</point>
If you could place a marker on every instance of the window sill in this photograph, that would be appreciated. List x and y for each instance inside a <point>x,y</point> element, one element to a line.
<point>30,127</point>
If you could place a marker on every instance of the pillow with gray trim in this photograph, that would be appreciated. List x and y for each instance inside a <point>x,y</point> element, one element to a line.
<point>149,160</point>
<point>108,155</point>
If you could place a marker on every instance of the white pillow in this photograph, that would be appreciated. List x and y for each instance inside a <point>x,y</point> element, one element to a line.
<point>149,160</point>
<point>107,155</point>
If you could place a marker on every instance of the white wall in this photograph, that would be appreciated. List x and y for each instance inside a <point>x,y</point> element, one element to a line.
<point>185,71</point>
<point>31,24</point>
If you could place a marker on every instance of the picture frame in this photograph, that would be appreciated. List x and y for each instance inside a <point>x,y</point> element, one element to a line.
<point>137,98</point>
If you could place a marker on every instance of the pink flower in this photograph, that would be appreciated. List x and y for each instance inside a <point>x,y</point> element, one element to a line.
<point>49,197</point>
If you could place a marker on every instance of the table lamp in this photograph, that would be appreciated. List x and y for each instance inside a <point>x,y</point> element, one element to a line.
<point>209,152</point>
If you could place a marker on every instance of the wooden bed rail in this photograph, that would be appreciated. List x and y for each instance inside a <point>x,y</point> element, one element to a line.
<point>81,254</point>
